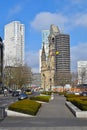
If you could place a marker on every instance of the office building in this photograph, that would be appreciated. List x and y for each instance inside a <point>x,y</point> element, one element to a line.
<point>82,72</point>
<point>14,44</point>
<point>36,79</point>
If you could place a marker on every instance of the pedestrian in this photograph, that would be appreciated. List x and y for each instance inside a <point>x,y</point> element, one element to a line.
<point>5,92</point>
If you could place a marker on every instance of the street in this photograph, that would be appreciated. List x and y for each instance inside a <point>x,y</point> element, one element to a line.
<point>7,100</point>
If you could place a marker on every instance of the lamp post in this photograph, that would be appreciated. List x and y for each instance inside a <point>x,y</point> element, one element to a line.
<point>50,83</point>
<point>1,62</point>
<point>44,81</point>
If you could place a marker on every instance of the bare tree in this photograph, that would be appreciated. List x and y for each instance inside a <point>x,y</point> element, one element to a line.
<point>82,75</point>
<point>74,79</point>
<point>63,79</point>
<point>19,76</point>
<point>8,75</point>
<point>23,76</point>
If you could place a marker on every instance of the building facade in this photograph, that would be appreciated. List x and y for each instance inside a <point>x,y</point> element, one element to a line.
<point>36,81</point>
<point>55,70</point>
<point>82,72</point>
<point>1,62</point>
<point>14,44</point>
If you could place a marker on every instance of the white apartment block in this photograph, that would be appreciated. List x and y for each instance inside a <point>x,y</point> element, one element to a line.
<point>14,44</point>
<point>82,72</point>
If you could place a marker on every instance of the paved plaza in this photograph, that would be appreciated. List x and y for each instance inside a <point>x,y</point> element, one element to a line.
<point>53,115</point>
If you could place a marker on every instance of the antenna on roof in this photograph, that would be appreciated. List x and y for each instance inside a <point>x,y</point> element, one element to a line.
<point>62,30</point>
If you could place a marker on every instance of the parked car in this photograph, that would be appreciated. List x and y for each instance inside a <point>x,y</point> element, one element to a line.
<point>28,91</point>
<point>15,93</point>
<point>22,96</point>
<point>84,93</point>
<point>10,91</point>
<point>76,93</point>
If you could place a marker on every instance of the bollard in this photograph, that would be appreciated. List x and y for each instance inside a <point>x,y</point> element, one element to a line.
<point>2,112</point>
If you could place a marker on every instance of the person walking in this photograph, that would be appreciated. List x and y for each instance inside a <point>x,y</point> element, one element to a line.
<point>5,92</point>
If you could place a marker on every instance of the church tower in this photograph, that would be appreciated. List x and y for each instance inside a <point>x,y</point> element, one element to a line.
<point>52,61</point>
<point>43,68</point>
<point>55,70</point>
<point>43,59</point>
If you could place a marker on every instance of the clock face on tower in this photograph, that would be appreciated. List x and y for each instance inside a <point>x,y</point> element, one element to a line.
<point>57,52</point>
<point>54,53</point>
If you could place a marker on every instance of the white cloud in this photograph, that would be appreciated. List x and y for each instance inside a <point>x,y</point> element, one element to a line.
<point>32,59</point>
<point>44,19</point>
<point>80,19</point>
<point>78,53</point>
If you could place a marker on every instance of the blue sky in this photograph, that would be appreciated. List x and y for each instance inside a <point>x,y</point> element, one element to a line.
<point>69,15</point>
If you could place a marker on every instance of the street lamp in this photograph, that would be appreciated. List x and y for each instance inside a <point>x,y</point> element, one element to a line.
<point>50,83</point>
<point>44,81</point>
<point>1,62</point>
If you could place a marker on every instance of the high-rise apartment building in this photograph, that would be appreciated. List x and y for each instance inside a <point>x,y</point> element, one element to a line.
<point>14,44</point>
<point>56,69</point>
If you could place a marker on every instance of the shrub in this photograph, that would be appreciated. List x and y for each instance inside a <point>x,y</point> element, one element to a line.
<point>71,95</point>
<point>46,92</point>
<point>25,106</point>
<point>80,104</point>
<point>41,98</point>
<point>79,101</point>
<point>61,93</point>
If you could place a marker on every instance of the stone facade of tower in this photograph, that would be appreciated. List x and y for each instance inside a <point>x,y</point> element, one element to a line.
<point>48,66</point>
<point>58,61</point>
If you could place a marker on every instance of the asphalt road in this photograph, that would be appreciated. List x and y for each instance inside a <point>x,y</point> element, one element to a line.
<point>6,100</point>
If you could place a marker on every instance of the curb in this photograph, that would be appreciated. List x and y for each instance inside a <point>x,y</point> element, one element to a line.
<point>17,114</point>
<point>76,111</point>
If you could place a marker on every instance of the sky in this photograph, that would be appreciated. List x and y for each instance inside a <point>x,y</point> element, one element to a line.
<point>37,15</point>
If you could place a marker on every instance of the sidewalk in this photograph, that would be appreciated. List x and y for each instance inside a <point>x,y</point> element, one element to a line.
<point>52,116</point>
<point>55,108</point>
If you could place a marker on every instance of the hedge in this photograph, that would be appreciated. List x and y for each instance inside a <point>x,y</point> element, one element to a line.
<point>46,92</point>
<point>79,101</point>
<point>61,93</point>
<point>25,106</point>
<point>71,95</point>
